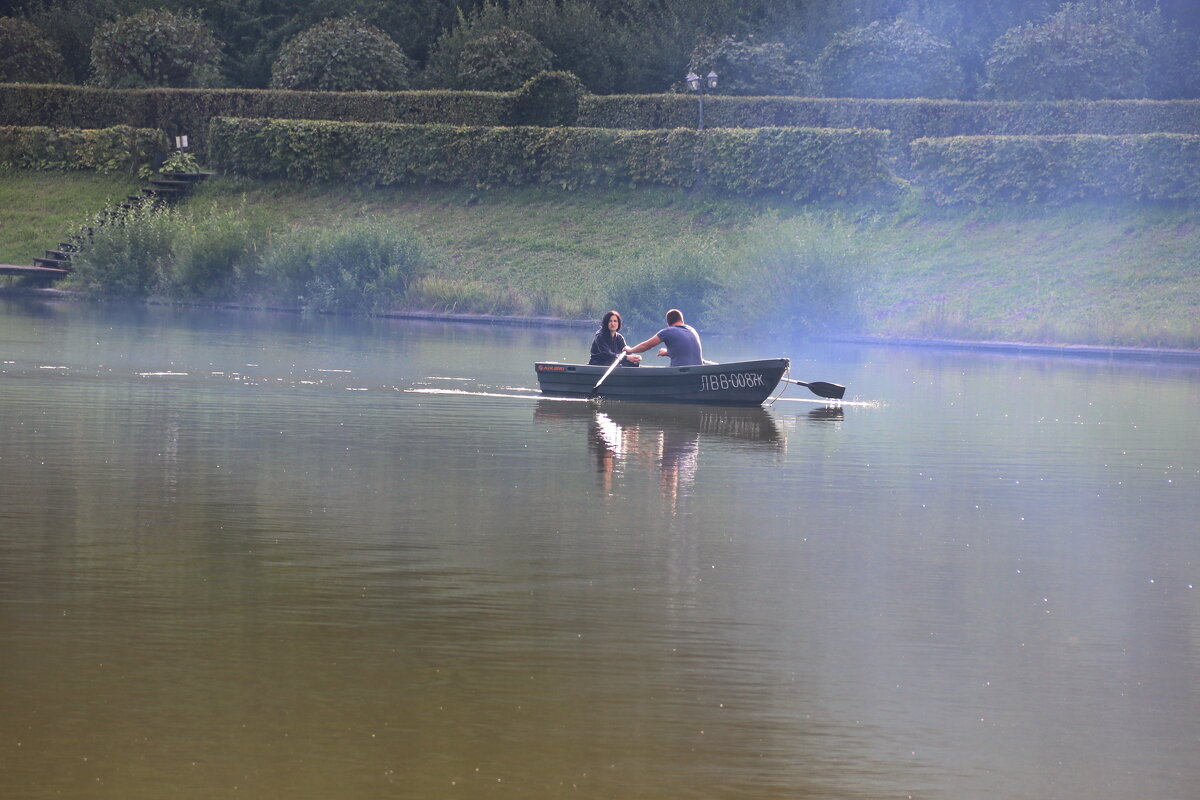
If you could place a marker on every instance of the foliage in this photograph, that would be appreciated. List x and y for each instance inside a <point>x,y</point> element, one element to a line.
<point>180,161</point>
<point>606,53</point>
<point>500,61</point>
<point>746,67</point>
<point>905,119</point>
<point>685,277</point>
<point>548,98</point>
<point>105,150</point>
<point>71,24</point>
<point>126,258</point>
<point>155,48</point>
<point>1169,69</point>
<point>26,55</point>
<point>986,170</point>
<point>798,163</point>
<point>801,275</point>
<point>1070,56</point>
<point>341,55</point>
<point>366,265</point>
<point>255,30</point>
<point>889,59</point>
<point>209,252</point>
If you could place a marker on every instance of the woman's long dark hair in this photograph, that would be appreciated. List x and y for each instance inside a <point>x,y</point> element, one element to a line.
<point>604,323</point>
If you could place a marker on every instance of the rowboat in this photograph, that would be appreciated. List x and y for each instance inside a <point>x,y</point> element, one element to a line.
<point>736,383</point>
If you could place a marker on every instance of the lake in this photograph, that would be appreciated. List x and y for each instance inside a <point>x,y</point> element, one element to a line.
<point>274,556</point>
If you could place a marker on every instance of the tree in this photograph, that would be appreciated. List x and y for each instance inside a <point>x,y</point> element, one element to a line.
<point>341,55</point>
<point>889,59</point>
<point>26,55</point>
<point>155,48</point>
<point>501,61</point>
<point>1073,55</point>
<point>1171,56</point>
<point>749,68</point>
<point>607,54</point>
<point>71,25</point>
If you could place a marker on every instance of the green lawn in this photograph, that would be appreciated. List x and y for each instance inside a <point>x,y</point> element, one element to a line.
<point>39,209</point>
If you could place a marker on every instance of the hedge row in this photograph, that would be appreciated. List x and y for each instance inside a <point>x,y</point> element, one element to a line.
<point>800,163</point>
<point>1057,169</point>
<point>905,119</point>
<point>103,150</point>
<point>188,111</point>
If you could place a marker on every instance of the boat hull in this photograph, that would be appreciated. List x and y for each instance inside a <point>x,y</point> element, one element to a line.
<point>737,383</point>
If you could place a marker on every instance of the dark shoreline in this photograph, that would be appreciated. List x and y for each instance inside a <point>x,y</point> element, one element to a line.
<point>1112,353</point>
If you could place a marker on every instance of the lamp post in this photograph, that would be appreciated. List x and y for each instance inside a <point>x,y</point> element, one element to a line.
<point>698,85</point>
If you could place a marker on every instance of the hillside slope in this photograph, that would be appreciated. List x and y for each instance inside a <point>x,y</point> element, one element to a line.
<point>1083,274</point>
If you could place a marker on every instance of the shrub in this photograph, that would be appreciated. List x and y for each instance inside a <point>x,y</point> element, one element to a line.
<point>889,59</point>
<point>155,48</point>
<point>126,258</point>
<point>1067,58</point>
<point>600,50</point>
<point>1168,68</point>
<point>500,61</point>
<point>749,68</point>
<point>685,278</point>
<point>985,170</point>
<point>210,251</point>
<point>103,150</point>
<point>803,276</point>
<point>26,55</point>
<point>341,55</point>
<point>365,266</point>
<point>798,163</point>
<point>548,99</point>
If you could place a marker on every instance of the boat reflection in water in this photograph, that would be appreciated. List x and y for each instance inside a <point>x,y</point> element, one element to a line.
<point>627,436</point>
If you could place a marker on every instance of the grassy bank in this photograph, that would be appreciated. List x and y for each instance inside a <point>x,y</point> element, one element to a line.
<point>1082,274</point>
<point>37,209</point>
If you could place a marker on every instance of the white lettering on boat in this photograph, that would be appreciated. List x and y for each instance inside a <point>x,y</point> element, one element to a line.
<point>731,380</point>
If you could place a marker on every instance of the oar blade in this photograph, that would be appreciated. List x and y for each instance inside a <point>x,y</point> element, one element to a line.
<point>832,391</point>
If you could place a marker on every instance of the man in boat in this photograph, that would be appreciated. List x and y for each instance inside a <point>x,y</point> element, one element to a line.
<point>680,341</point>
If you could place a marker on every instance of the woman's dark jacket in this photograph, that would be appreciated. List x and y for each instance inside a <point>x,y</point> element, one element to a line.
<point>606,348</point>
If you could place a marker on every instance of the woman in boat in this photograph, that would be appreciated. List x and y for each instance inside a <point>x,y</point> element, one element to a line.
<point>608,343</point>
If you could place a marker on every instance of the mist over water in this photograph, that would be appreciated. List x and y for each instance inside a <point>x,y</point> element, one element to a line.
<point>289,556</point>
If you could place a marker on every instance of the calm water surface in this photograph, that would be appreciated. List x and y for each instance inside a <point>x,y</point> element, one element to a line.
<point>278,557</point>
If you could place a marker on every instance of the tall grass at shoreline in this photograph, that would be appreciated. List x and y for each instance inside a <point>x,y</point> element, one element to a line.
<point>213,254</point>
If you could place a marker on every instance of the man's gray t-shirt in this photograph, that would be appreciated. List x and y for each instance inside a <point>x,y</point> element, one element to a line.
<point>683,343</point>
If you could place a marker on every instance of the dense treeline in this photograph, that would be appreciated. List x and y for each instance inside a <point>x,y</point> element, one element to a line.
<point>961,49</point>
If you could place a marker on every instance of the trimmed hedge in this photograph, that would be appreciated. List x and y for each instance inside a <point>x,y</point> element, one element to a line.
<point>799,163</point>
<point>905,119</point>
<point>986,170</point>
<point>188,111</point>
<point>103,150</point>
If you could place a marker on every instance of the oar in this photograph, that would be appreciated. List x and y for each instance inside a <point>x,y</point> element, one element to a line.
<point>831,390</point>
<point>607,372</point>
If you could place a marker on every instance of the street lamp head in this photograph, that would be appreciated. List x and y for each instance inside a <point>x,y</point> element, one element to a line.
<point>712,80</point>
<point>693,81</point>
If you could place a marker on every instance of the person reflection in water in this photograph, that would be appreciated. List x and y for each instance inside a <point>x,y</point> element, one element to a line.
<point>675,451</point>
<point>608,343</point>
